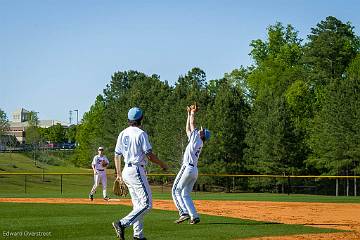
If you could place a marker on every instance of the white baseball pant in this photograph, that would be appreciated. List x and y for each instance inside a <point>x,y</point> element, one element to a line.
<point>100,175</point>
<point>182,188</point>
<point>135,179</point>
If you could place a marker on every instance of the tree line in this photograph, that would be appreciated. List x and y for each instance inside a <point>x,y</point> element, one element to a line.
<point>295,110</point>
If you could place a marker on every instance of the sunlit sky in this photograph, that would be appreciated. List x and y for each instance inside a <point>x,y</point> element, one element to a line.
<point>57,56</point>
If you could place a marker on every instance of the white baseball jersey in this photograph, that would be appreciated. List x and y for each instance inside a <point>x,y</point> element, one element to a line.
<point>193,149</point>
<point>97,162</point>
<point>133,144</point>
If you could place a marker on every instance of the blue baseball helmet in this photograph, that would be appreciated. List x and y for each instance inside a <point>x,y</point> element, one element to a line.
<point>134,114</point>
<point>206,134</point>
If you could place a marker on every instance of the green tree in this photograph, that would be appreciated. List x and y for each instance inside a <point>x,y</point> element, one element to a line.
<point>275,143</point>
<point>90,133</point>
<point>170,127</point>
<point>3,122</point>
<point>335,137</point>
<point>332,45</point>
<point>56,133</point>
<point>33,135</point>
<point>70,133</point>
<point>226,119</point>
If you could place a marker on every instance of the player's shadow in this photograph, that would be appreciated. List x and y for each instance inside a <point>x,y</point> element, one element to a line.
<point>326,224</point>
<point>244,224</point>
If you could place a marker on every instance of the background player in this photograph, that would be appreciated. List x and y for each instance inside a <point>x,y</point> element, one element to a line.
<point>133,145</point>
<point>187,176</point>
<point>99,164</point>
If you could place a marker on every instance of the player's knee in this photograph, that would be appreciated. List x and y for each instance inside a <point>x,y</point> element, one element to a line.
<point>176,190</point>
<point>185,194</point>
<point>148,207</point>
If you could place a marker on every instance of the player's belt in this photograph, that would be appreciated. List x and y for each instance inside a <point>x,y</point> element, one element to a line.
<point>130,165</point>
<point>100,170</point>
<point>190,164</point>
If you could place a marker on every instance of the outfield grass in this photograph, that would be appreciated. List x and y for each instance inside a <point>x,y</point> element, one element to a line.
<point>79,185</point>
<point>17,162</point>
<point>94,222</point>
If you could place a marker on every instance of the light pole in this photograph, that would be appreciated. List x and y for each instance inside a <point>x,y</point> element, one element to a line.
<point>34,117</point>
<point>77,116</point>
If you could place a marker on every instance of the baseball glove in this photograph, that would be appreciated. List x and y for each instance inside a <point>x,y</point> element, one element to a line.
<point>120,188</point>
<point>194,107</point>
<point>104,163</point>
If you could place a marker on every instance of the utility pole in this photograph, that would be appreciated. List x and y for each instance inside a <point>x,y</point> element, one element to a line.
<point>77,116</point>
<point>70,117</point>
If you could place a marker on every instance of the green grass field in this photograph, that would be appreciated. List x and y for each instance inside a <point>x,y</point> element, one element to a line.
<point>80,185</point>
<point>94,222</point>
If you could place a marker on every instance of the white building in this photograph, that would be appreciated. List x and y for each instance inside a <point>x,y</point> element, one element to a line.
<point>20,121</point>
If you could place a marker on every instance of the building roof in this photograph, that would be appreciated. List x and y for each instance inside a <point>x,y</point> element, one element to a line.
<point>42,124</point>
<point>20,110</point>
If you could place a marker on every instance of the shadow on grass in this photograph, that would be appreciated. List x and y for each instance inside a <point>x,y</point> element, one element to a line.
<point>243,224</point>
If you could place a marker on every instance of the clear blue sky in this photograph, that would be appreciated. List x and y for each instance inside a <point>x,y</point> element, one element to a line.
<point>57,56</point>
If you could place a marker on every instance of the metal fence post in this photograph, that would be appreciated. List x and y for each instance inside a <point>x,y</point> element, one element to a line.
<point>337,187</point>
<point>162,184</point>
<point>355,188</point>
<point>289,185</point>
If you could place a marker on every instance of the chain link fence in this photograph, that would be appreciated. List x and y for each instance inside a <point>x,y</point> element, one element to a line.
<point>74,183</point>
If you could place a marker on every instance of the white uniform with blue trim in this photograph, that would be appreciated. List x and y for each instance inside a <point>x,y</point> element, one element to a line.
<point>133,144</point>
<point>100,174</point>
<point>187,176</point>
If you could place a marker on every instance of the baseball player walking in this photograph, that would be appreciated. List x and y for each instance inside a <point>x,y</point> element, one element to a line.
<point>187,176</point>
<point>133,145</point>
<point>99,164</point>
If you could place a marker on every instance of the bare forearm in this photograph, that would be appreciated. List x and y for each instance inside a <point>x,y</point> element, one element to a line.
<point>188,123</point>
<point>117,160</point>
<point>192,121</point>
<point>153,158</point>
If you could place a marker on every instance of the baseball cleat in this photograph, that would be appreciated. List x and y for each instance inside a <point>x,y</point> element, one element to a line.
<point>106,198</point>
<point>120,230</point>
<point>195,221</point>
<point>136,238</point>
<point>91,197</point>
<point>182,218</point>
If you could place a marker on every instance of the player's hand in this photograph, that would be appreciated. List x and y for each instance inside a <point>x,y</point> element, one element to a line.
<point>194,108</point>
<point>118,177</point>
<point>188,109</point>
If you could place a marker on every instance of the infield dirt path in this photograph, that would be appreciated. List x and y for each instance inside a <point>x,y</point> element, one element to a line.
<point>324,215</point>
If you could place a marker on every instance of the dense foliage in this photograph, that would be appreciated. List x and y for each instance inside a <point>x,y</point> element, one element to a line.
<point>296,110</point>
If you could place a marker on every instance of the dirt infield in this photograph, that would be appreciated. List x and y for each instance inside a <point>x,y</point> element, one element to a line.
<point>324,215</point>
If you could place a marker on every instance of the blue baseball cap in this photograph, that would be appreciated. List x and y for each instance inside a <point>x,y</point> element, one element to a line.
<point>206,134</point>
<point>134,114</point>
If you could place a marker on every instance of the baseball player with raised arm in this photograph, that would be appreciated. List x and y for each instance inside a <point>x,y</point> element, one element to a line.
<point>187,176</point>
<point>99,164</point>
<point>133,146</point>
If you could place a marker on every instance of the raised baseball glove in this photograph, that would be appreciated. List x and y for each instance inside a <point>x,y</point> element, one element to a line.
<point>104,163</point>
<point>120,188</point>
<point>194,107</point>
